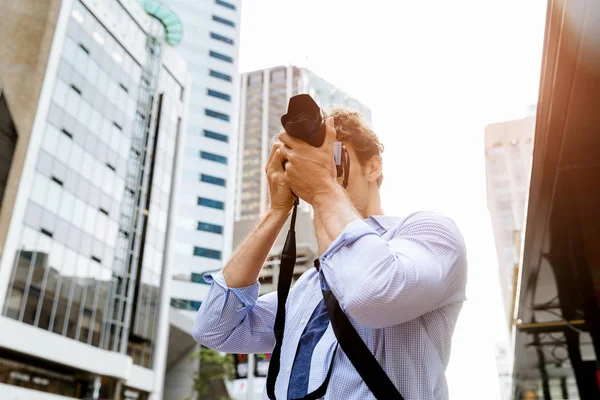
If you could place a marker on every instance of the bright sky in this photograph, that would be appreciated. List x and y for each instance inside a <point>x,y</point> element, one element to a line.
<point>434,74</point>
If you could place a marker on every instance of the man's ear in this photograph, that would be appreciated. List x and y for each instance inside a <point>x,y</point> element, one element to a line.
<point>373,168</point>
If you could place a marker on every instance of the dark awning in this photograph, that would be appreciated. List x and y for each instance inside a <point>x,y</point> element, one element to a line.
<point>558,317</point>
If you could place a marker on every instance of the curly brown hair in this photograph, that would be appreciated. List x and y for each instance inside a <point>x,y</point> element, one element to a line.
<point>352,128</point>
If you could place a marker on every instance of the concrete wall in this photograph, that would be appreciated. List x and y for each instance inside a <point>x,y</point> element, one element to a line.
<point>27,30</point>
<point>178,379</point>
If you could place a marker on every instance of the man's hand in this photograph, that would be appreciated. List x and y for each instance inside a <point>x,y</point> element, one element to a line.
<point>282,199</point>
<point>310,171</point>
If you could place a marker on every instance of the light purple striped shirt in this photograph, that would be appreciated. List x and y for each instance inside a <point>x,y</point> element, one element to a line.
<point>401,281</point>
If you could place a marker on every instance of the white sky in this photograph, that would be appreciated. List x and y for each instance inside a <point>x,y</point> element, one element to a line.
<point>434,74</point>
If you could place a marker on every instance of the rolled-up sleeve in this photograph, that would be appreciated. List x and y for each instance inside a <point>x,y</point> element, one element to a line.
<point>383,283</point>
<point>235,320</point>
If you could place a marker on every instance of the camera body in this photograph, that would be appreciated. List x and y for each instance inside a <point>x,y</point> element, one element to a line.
<point>304,121</point>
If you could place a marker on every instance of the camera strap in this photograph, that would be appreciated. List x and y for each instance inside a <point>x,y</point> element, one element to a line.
<point>352,344</point>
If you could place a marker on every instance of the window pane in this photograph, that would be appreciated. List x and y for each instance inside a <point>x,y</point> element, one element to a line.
<point>225,4</point>
<point>215,114</point>
<point>223,21</point>
<point>220,56</point>
<point>216,136</point>
<point>208,253</point>
<point>213,157</point>
<point>221,38</point>
<point>206,227</point>
<point>211,203</point>
<point>212,179</point>
<point>219,95</point>
<point>220,75</point>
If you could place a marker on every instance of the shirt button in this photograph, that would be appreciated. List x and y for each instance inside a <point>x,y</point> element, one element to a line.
<point>289,370</point>
<point>302,321</point>
<point>240,306</point>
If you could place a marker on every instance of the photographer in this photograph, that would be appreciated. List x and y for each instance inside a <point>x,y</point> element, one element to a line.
<point>399,280</point>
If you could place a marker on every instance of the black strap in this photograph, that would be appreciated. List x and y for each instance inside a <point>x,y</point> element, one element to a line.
<point>357,351</point>
<point>286,270</point>
<point>354,347</point>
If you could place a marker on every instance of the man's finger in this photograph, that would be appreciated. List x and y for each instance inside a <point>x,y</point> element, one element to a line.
<point>292,142</point>
<point>284,152</point>
<point>274,149</point>
<point>330,134</point>
<point>277,162</point>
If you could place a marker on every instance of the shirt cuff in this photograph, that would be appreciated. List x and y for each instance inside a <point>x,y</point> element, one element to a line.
<point>353,231</point>
<point>245,297</point>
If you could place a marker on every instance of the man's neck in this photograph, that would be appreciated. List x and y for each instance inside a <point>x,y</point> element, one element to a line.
<point>374,204</point>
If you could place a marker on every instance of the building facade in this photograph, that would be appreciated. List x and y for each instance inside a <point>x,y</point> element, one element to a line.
<point>205,216</point>
<point>89,197</point>
<point>264,99</point>
<point>508,152</point>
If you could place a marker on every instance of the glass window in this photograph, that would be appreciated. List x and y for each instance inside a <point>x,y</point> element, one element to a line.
<point>112,91</point>
<point>82,59</point>
<point>223,21</point>
<point>70,51</point>
<point>212,179</point>
<point>60,93</point>
<point>220,75</point>
<point>219,95</point>
<point>76,157</point>
<point>85,113</point>
<point>220,56</point>
<point>102,81</point>
<point>90,220</point>
<point>216,136</point>
<point>221,38</point>
<point>213,157</point>
<point>92,72</point>
<point>51,136</point>
<point>66,206</point>
<point>96,122</point>
<point>53,198</point>
<point>73,99</point>
<point>206,227</point>
<point>78,213</point>
<point>63,150</point>
<point>87,167</point>
<point>219,205</point>
<point>217,115</point>
<point>225,4</point>
<point>40,188</point>
<point>208,253</point>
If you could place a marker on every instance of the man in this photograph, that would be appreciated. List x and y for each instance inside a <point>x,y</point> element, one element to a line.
<point>400,280</point>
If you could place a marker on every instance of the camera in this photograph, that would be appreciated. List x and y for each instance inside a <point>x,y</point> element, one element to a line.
<point>304,121</point>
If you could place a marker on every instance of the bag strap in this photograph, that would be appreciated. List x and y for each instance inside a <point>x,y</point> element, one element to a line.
<point>357,351</point>
<point>286,271</point>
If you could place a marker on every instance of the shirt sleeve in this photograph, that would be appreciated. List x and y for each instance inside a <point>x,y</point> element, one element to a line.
<point>235,320</point>
<point>383,283</point>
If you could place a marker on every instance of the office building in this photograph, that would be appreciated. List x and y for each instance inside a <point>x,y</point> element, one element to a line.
<point>210,47</point>
<point>264,99</point>
<point>203,230</point>
<point>93,98</point>
<point>508,151</point>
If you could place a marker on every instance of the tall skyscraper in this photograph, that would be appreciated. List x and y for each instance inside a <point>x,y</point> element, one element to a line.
<point>205,212</point>
<point>264,99</point>
<point>93,99</point>
<point>508,152</point>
